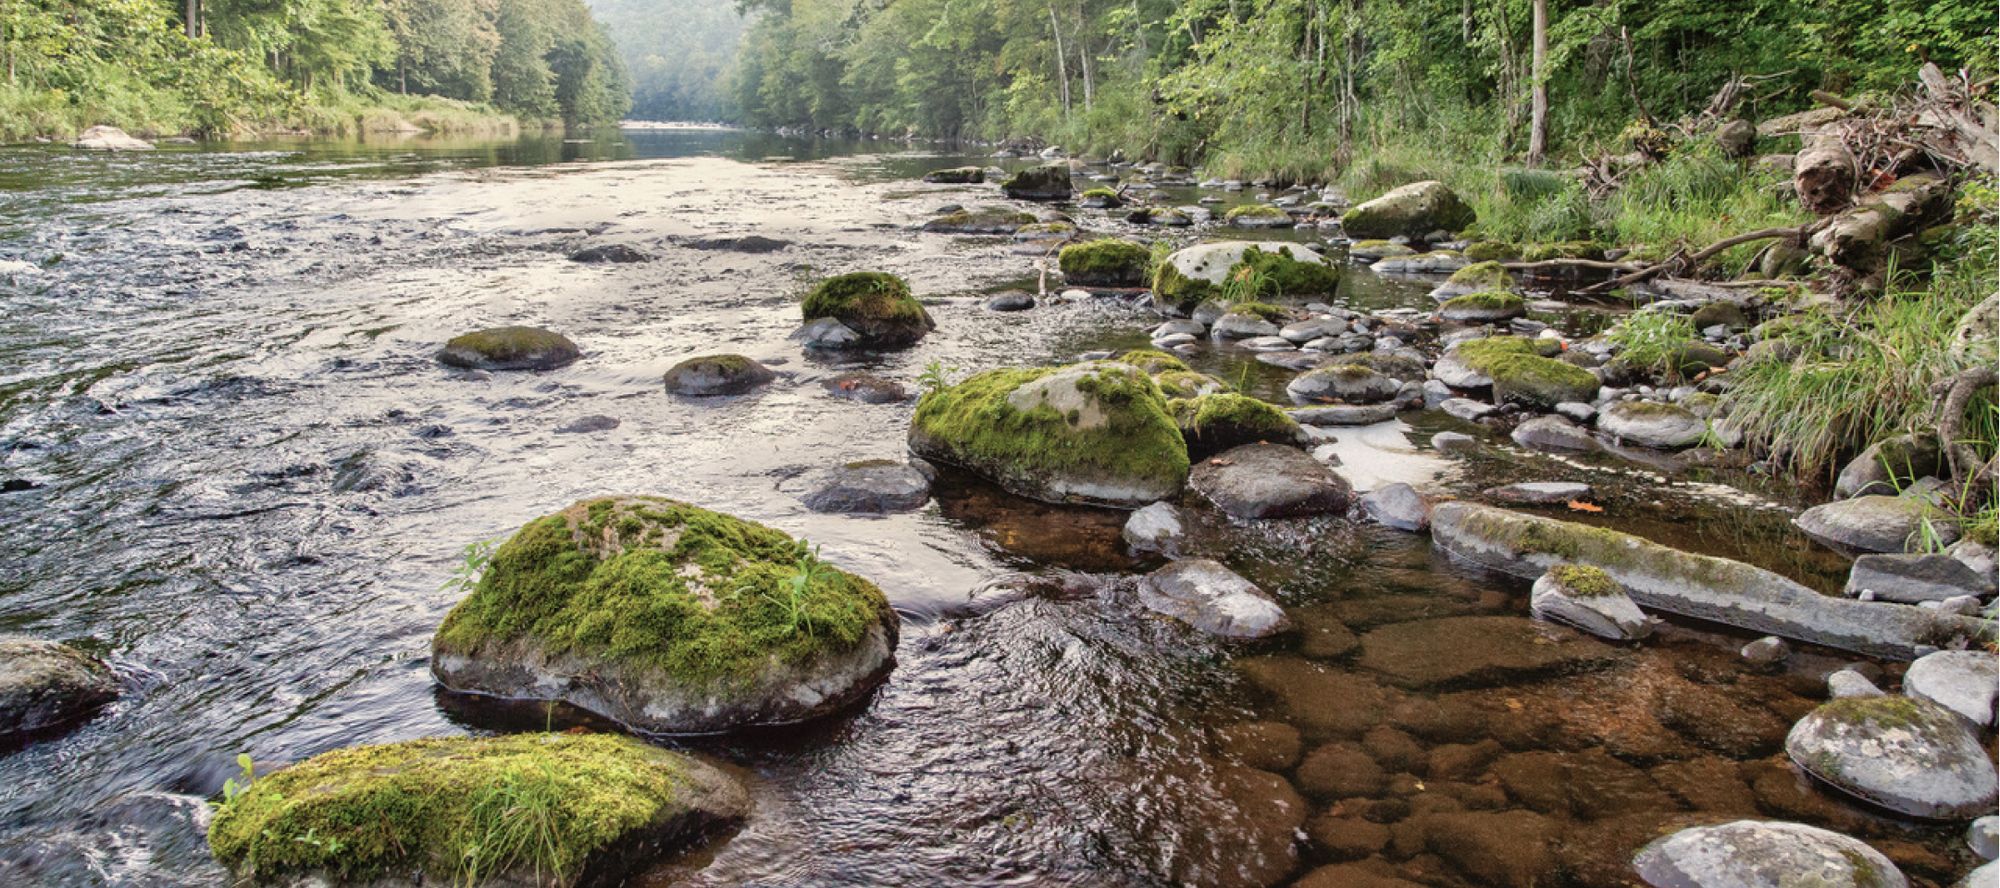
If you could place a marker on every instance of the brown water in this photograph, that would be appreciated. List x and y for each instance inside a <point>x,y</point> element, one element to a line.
<point>256,481</point>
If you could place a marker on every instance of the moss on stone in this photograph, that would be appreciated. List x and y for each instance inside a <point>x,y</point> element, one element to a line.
<point>872,295</point>
<point>1285,275</point>
<point>1152,360</point>
<point>1491,251</point>
<point>1255,211</point>
<point>1264,310</point>
<point>1487,275</point>
<point>982,219</point>
<point>458,809</point>
<point>1538,381</point>
<point>1584,581</point>
<point>1478,353</point>
<point>1047,228</point>
<point>1109,262</point>
<point>707,598</point>
<point>1214,423</point>
<point>1171,288</point>
<point>1189,384</point>
<point>1101,194</point>
<point>975,424</point>
<point>509,348</point>
<point>1487,300</point>
<point>1561,250</point>
<point>1390,364</point>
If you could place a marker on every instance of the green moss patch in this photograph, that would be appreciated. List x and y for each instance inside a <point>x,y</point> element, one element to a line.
<point>1152,360</point>
<point>862,294</point>
<point>1487,275</point>
<point>1280,274</point>
<point>1584,581</point>
<point>708,598</point>
<point>1188,384</point>
<point>1257,213</point>
<point>1110,262</point>
<point>1489,300</point>
<point>459,809</point>
<point>1491,251</point>
<point>1214,423</point>
<point>1561,250</point>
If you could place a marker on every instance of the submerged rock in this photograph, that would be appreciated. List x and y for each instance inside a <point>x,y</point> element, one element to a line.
<point>1269,481</point>
<point>47,684</point>
<point>1414,210</point>
<point>609,253</point>
<point>1701,587</point>
<point>967,175</point>
<point>1875,523</point>
<point>666,618</point>
<point>871,486</point>
<point>1093,433</point>
<point>1457,652</point>
<point>509,348</point>
<point>425,811</point>
<point>1910,756</point>
<point>1588,599</point>
<point>747,243</point>
<point>711,375</point>
<point>826,333</point>
<point>878,307</point>
<point>1539,493</point>
<point>1210,597</point>
<point>1651,424</point>
<point>110,138</point>
<point>588,424</point>
<point>867,388</point>
<point>1965,682</point>
<point>1915,578</point>
<point>1764,854</point>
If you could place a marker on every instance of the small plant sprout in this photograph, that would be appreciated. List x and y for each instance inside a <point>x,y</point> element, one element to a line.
<point>472,565</point>
<point>240,784</point>
<point>1245,284</point>
<point>935,378</point>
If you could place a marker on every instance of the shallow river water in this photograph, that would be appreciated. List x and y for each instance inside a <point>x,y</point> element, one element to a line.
<point>254,482</point>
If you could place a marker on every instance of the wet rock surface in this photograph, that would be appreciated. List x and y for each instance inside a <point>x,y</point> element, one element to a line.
<point>870,487</point>
<point>509,348</point>
<point>46,685</point>
<point>1746,853</point>
<point>1965,682</point>
<point>1484,651</point>
<point>712,375</point>
<point>1873,523</point>
<point>1910,756</point>
<point>1208,596</point>
<point>1269,481</point>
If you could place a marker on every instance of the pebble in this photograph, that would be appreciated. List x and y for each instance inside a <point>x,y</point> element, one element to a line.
<point>1767,650</point>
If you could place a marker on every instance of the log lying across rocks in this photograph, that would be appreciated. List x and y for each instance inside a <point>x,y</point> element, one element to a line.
<point>1824,175</point>
<point>1857,239</point>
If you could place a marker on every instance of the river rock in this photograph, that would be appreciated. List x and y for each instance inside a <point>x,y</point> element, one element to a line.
<point>1397,505</point>
<point>1983,837</point>
<point>1457,652</point>
<point>878,307</point>
<point>866,388</point>
<point>1844,683</point>
<point>1211,424</point>
<point>47,684</point>
<point>1344,414</point>
<point>980,220</point>
<point>509,348</point>
<point>608,804</point>
<point>1467,409</point>
<point>1242,325</point>
<point>1767,651</point>
<point>1344,383</point>
<point>1042,183</point>
<point>1155,528</point>
<point>1763,854</point>
<point>588,424</point>
<point>1700,587</point>
<point>1012,300</point>
<point>1910,756</point>
<point>1986,875</point>
<point>628,607</point>
<point>1269,481</point>
<point>739,243</point>
<point>110,138</point>
<point>1910,578</point>
<point>826,333</point>
<point>871,486</point>
<point>1483,308</point>
<point>1091,433</point>
<point>1538,493</point>
<point>1553,434</point>
<point>1414,211</point>
<point>609,253</point>
<point>1889,462</point>
<point>968,175</point>
<point>1196,273</point>
<point>711,375</point>
<point>1210,597</point>
<point>1302,332</point>
<point>1874,523</point>
<point>1965,682</point>
<point>1651,424</point>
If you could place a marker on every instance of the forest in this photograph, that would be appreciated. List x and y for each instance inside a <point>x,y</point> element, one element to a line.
<point>239,67</point>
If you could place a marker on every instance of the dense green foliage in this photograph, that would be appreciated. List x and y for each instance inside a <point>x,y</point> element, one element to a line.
<point>326,65</point>
<point>678,53</point>
<point>1299,86</point>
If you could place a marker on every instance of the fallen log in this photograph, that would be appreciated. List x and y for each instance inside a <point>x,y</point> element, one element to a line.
<point>1824,174</point>
<point>1857,239</point>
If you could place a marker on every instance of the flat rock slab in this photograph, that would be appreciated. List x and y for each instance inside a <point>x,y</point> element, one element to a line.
<point>1651,424</point>
<point>1764,854</point>
<point>1914,578</point>
<point>1539,493</point>
<point>1344,414</point>
<point>1965,682</point>
<point>1269,481</point>
<point>871,487</point>
<point>1399,506</point>
<point>1477,652</point>
<point>1907,755</point>
<point>1553,434</point>
<point>1873,524</point>
<point>1208,596</point>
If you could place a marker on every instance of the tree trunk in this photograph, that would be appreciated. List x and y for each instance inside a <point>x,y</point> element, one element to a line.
<point>193,23</point>
<point>1858,239</point>
<point>1824,175</point>
<point>1538,125</point>
<point>1062,62</point>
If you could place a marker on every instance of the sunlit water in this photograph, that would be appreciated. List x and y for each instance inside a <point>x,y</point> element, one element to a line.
<point>256,482</point>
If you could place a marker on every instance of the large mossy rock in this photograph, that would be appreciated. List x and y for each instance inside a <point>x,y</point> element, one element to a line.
<point>1044,183</point>
<point>1701,587</point>
<point>509,348</point>
<point>1910,756</point>
<point>1519,370</point>
<point>711,375</point>
<point>527,810</point>
<point>1105,263</point>
<point>1198,272</point>
<point>1414,210</point>
<point>966,175</point>
<point>667,618</point>
<point>1213,423</point>
<point>876,305</point>
<point>47,684</point>
<point>1093,433</point>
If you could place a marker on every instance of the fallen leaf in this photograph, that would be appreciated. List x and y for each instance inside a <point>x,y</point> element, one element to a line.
<point>1581,506</point>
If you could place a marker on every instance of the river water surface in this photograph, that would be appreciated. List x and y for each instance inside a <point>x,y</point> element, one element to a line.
<point>254,482</point>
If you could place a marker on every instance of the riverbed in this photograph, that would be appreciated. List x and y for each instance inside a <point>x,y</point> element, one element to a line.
<point>253,482</point>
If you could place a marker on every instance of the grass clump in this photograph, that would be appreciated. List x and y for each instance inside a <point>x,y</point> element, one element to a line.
<point>1488,274</point>
<point>461,808</point>
<point>1255,213</point>
<point>873,295</point>
<point>707,598</point>
<point>1108,262</point>
<point>1655,343</point>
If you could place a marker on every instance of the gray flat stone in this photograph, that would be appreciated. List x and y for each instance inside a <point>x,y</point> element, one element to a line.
<point>1764,854</point>
<point>1210,597</point>
<point>1399,506</point>
<point>1907,755</point>
<point>1965,682</point>
<point>1913,578</point>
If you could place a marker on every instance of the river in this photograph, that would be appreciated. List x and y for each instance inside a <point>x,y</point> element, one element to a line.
<point>254,482</point>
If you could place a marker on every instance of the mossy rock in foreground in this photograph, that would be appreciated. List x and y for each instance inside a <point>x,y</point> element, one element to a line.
<point>1092,433</point>
<point>529,809</point>
<point>509,348</point>
<point>874,304</point>
<point>1105,263</point>
<point>1199,272</point>
<point>1214,423</point>
<point>667,618</point>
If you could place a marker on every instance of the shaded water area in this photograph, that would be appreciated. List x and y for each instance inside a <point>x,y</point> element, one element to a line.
<point>255,481</point>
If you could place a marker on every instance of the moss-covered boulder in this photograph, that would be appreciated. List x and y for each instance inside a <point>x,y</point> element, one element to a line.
<point>1721,313</point>
<point>1199,272</point>
<point>1100,199</point>
<point>529,810</point>
<point>1105,263</point>
<point>509,348</point>
<point>1153,361</point>
<point>1561,250</point>
<point>1257,216</point>
<point>1211,424</point>
<point>48,684</point>
<point>1484,308</point>
<point>876,305</point>
<point>667,618</point>
<point>1537,381</point>
<point>1189,384</point>
<point>1464,364</point>
<point>1910,756</point>
<point>1091,433</point>
<point>1043,183</point>
<point>965,175</point>
<point>1491,251</point>
<point>710,375</point>
<point>980,220</point>
<point>1414,210</point>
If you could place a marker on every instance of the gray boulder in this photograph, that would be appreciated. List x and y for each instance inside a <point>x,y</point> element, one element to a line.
<point>509,348</point>
<point>1012,300</point>
<point>1702,587</point>
<point>1344,414</point>
<point>1914,578</point>
<point>1651,424</point>
<point>1042,183</point>
<point>1965,682</point>
<point>1305,331</point>
<point>1269,481</point>
<point>1763,854</point>
<point>1538,493</point>
<point>1588,599</point>
<point>1155,528</point>
<point>1414,210</point>
<point>1907,755</point>
<point>1210,597</point>
<point>110,138</point>
<point>871,486</point>
<point>47,684</point>
<point>826,333</point>
<point>1242,325</point>
<point>1397,505</point>
<point>1874,523</point>
<point>1888,463</point>
<point>1344,383</point>
<point>1553,434</point>
<point>711,375</point>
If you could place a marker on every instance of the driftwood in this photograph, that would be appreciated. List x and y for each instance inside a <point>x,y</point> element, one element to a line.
<point>1857,239</point>
<point>1682,260</point>
<point>1954,396</point>
<point>1824,174</point>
